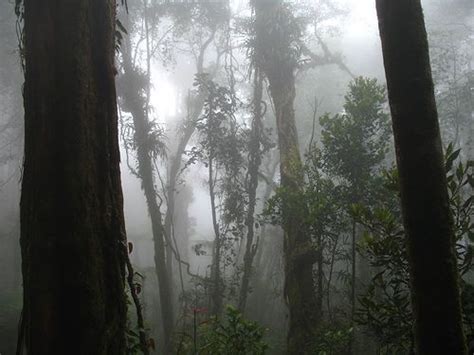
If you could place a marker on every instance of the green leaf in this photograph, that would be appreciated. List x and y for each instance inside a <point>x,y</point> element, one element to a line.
<point>450,158</point>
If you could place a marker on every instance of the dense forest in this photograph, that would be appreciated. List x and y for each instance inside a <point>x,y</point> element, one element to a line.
<point>237,177</point>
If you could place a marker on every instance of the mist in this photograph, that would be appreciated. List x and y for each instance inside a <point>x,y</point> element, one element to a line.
<point>237,177</point>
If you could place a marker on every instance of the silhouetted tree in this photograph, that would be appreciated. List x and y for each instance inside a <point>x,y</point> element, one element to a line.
<point>72,224</point>
<point>424,196</point>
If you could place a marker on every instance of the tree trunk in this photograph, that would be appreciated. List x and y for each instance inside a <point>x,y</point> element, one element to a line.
<point>254,166</point>
<point>426,214</point>
<point>72,225</point>
<point>353,270</point>
<point>136,105</point>
<point>195,105</point>
<point>320,277</point>
<point>216,291</point>
<point>275,56</point>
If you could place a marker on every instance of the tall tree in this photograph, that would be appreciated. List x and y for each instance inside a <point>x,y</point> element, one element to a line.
<point>195,105</point>
<point>220,149</point>
<point>72,224</point>
<point>277,50</point>
<point>254,162</point>
<point>354,145</point>
<point>147,145</point>
<point>424,197</point>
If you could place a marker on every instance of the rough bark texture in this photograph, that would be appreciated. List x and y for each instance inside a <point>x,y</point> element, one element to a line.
<point>135,103</point>
<point>275,32</point>
<point>426,214</point>
<point>72,225</point>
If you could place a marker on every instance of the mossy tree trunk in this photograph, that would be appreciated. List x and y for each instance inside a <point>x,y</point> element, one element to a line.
<point>135,102</point>
<point>276,34</point>
<point>72,224</point>
<point>425,206</point>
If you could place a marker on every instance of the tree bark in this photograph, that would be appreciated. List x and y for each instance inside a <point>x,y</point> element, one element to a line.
<point>424,197</point>
<point>275,56</point>
<point>72,225</point>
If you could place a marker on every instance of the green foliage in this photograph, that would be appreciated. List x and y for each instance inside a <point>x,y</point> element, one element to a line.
<point>385,307</point>
<point>279,32</point>
<point>332,339</point>
<point>222,146</point>
<point>134,327</point>
<point>355,142</point>
<point>354,145</point>
<point>133,341</point>
<point>337,175</point>
<point>232,335</point>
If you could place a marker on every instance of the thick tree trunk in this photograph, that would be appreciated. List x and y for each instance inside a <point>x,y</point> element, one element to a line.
<point>426,214</point>
<point>136,105</point>
<point>72,225</point>
<point>276,58</point>
<point>299,284</point>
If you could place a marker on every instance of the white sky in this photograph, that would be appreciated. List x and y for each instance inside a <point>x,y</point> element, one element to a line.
<point>363,17</point>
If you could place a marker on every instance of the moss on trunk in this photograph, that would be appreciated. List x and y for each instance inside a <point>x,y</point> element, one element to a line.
<point>276,36</point>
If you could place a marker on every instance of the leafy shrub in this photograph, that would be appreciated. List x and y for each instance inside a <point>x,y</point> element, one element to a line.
<point>231,335</point>
<point>332,339</point>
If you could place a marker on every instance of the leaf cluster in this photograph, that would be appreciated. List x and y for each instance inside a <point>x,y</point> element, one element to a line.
<point>276,39</point>
<point>332,339</point>
<point>233,335</point>
<point>355,142</point>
